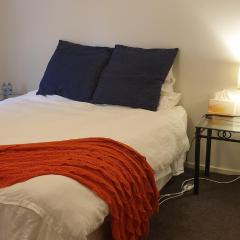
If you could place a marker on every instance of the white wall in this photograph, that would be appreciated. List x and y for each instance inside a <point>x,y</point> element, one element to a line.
<point>201,29</point>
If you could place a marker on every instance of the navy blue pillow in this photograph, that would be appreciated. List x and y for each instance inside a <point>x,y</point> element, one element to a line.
<point>73,71</point>
<point>134,77</point>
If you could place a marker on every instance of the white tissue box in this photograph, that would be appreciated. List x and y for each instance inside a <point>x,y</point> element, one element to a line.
<point>222,107</point>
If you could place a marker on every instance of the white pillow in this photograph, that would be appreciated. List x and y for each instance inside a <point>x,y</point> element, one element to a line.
<point>169,98</point>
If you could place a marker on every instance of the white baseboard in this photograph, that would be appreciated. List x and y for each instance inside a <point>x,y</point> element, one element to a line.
<point>216,169</point>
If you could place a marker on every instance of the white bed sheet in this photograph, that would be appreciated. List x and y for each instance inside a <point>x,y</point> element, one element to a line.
<point>56,207</point>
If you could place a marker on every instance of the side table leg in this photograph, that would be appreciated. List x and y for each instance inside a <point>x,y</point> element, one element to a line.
<point>208,152</point>
<point>197,160</point>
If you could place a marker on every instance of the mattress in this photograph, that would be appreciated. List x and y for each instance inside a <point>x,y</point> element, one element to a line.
<point>53,207</point>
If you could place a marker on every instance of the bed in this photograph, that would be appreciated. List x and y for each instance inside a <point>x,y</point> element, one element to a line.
<point>53,207</point>
<point>123,95</point>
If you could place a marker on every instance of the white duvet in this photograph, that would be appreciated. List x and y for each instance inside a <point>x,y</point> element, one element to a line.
<point>56,207</point>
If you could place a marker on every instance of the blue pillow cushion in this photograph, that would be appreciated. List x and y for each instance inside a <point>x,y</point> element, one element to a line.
<point>134,77</point>
<point>73,71</point>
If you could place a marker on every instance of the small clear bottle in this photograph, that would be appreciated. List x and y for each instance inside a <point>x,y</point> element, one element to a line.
<point>10,89</point>
<point>4,89</point>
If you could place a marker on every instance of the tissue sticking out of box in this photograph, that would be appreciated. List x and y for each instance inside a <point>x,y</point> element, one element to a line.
<point>226,102</point>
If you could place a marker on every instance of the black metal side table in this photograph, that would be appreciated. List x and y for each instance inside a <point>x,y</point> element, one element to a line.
<point>217,128</point>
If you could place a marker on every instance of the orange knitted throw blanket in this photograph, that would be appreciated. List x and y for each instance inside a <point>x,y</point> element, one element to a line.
<point>114,171</point>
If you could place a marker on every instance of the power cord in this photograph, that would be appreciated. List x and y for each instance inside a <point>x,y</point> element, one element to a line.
<point>166,197</point>
<point>212,180</point>
<point>187,187</point>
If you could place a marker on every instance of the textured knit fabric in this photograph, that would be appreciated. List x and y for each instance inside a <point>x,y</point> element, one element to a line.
<point>115,172</point>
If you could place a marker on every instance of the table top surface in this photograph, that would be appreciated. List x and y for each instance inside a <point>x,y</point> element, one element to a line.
<point>231,124</point>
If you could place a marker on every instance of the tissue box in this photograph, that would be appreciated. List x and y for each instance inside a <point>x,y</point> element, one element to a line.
<point>222,107</point>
